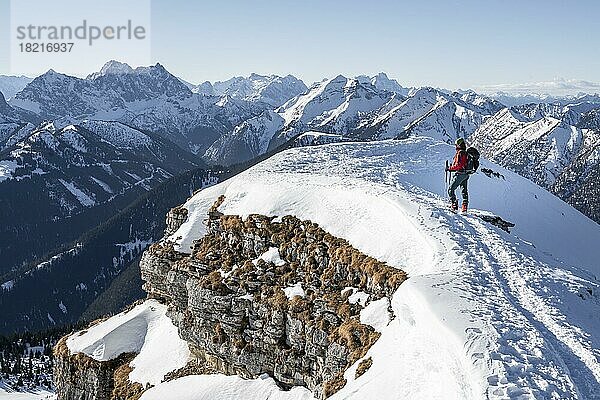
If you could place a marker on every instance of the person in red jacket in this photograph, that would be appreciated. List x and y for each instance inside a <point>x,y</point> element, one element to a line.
<point>460,176</point>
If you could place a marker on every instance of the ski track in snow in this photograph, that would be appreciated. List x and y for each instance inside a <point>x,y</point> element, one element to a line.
<point>485,313</point>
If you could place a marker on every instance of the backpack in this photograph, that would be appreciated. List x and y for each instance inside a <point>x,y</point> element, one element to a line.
<point>472,160</point>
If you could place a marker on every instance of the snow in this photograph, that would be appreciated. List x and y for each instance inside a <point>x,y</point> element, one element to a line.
<point>313,103</point>
<point>6,393</point>
<point>62,307</point>
<point>8,285</point>
<point>294,290</point>
<point>102,184</point>
<point>313,135</point>
<point>83,198</point>
<point>145,330</point>
<point>112,67</point>
<point>46,264</point>
<point>485,313</point>
<point>539,147</point>
<point>7,168</point>
<point>118,134</point>
<point>358,297</point>
<point>272,256</point>
<point>273,90</point>
<point>131,250</point>
<point>221,387</point>
<point>376,314</point>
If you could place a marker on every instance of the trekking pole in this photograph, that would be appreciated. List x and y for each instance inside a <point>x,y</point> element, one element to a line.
<point>446,177</point>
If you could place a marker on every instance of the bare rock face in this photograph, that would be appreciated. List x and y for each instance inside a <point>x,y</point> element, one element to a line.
<point>230,305</point>
<point>175,218</point>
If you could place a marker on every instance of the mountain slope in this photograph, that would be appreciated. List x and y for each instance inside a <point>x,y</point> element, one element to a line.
<point>485,313</point>
<point>11,85</point>
<point>76,274</point>
<point>555,146</point>
<point>58,180</point>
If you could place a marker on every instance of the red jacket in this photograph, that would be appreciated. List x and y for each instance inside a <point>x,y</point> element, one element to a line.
<point>460,161</point>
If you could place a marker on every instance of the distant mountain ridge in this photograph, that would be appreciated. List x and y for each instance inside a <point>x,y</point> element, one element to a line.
<point>11,85</point>
<point>357,108</point>
<point>273,90</point>
<point>555,146</point>
<point>152,99</point>
<point>75,151</point>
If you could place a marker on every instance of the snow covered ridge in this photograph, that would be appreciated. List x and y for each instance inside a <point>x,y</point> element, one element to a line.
<point>315,302</point>
<point>273,90</point>
<point>143,342</point>
<point>485,313</point>
<point>252,285</point>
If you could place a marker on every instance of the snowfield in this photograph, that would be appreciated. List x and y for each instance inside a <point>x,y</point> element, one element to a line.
<point>145,330</point>
<point>485,314</point>
<point>7,393</point>
<point>221,387</point>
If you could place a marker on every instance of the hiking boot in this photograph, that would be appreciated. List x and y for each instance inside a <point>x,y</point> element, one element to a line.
<point>464,206</point>
<point>454,205</point>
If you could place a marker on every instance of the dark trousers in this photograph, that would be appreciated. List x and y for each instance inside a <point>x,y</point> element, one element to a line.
<point>459,179</point>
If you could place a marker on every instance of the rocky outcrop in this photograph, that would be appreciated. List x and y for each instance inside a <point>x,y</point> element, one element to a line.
<point>255,296</point>
<point>79,377</point>
<point>228,298</point>
<point>175,218</point>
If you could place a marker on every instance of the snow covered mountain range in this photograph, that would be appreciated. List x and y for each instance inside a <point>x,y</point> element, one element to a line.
<point>555,146</point>
<point>358,108</point>
<point>79,149</point>
<point>273,90</point>
<point>150,98</point>
<point>89,165</point>
<point>557,90</point>
<point>485,313</point>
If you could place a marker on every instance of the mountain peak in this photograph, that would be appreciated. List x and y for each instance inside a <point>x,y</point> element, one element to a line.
<point>382,76</point>
<point>159,67</point>
<point>112,67</point>
<point>51,75</point>
<point>255,76</point>
<point>382,82</point>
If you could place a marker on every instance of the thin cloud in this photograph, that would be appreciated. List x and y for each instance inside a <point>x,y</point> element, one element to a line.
<point>556,87</point>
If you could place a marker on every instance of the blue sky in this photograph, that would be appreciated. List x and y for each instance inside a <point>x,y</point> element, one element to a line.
<point>440,43</point>
<point>453,44</point>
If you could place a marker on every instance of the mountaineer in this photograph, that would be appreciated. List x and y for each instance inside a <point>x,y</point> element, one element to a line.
<point>465,163</point>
